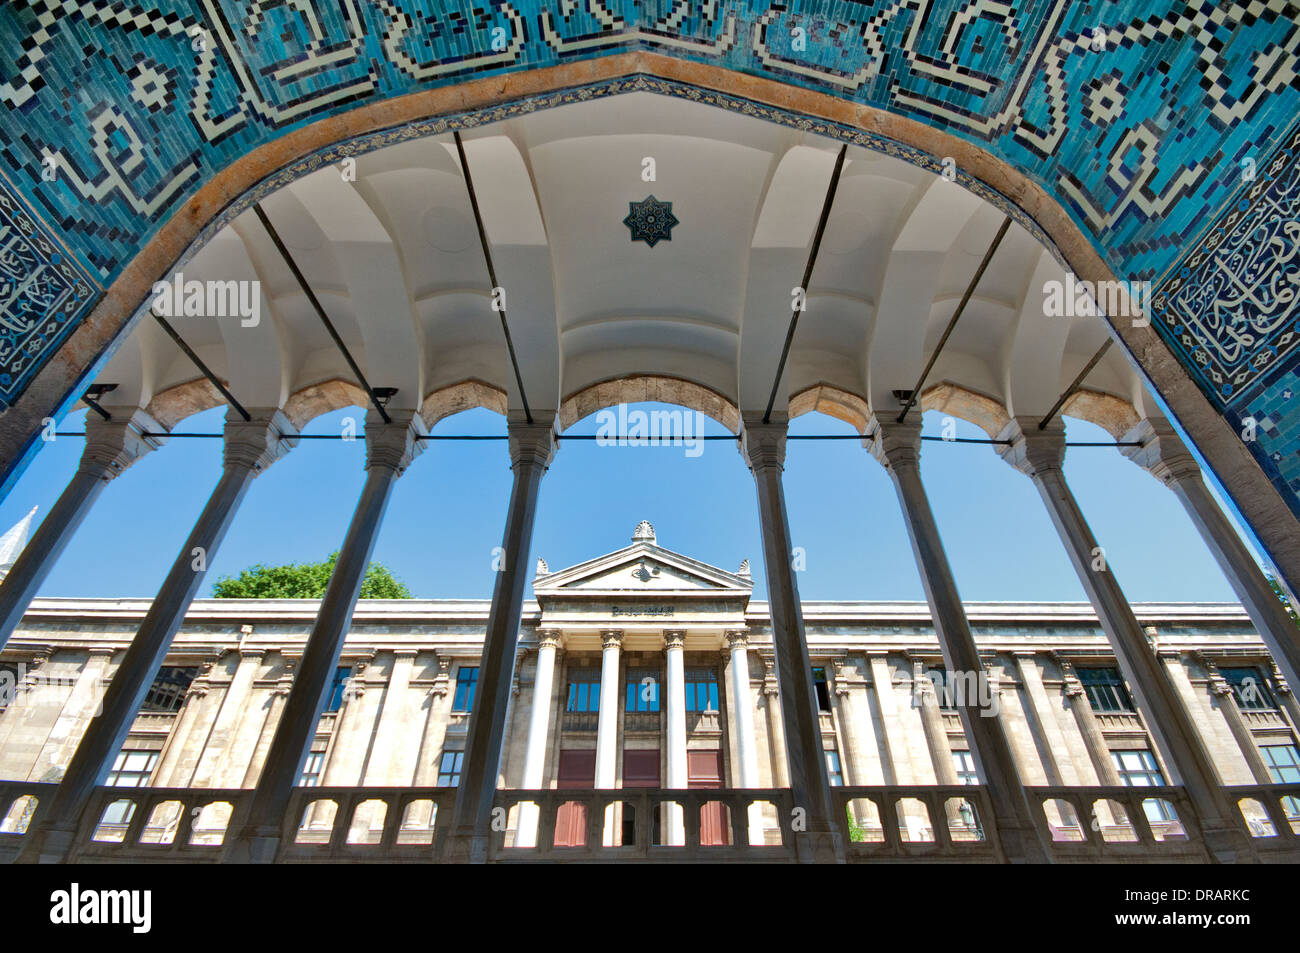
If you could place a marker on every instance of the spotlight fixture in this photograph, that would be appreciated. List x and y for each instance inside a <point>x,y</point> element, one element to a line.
<point>93,395</point>
<point>384,394</point>
<point>902,396</point>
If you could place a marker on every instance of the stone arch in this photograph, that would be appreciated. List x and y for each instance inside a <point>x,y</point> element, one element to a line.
<point>466,395</point>
<point>649,387</point>
<point>985,412</point>
<point>315,400</point>
<point>181,401</point>
<point>1112,414</point>
<point>833,402</point>
<point>367,126</point>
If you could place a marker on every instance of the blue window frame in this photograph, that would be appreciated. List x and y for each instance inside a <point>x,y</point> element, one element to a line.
<point>449,768</point>
<point>584,691</point>
<point>1250,687</point>
<point>466,682</point>
<point>642,690</point>
<point>701,689</point>
<point>341,676</point>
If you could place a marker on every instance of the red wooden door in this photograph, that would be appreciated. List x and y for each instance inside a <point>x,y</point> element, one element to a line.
<point>704,770</point>
<point>640,770</point>
<point>577,770</point>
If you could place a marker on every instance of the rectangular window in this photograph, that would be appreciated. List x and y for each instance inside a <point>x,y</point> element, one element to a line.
<point>131,769</point>
<point>642,690</point>
<point>1284,765</point>
<point>833,769</point>
<point>449,768</point>
<point>1250,688</point>
<point>584,691</point>
<point>1105,689</point>
<point>335,700</point>
<point>466,682</point>
<point>822,688</point>
<point>701,689</point>
<point>167,693</point>
<point>964,762</point>
<point>311,770</point>
<point>1137,769</point>
<point>944,695</point>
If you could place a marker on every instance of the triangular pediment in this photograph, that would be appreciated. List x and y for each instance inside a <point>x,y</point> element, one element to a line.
<point>643,567</point>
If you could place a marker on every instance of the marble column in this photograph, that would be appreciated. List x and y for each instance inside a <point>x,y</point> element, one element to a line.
<point>607,724</point>
<point>390,448</point>
<point>775,727</point>
<point>898,448</point>
<point>531,448</point>
<point>111,447</point>
<point>675,709</point>
<point>742,698</point>
<point>1241,732</point>
<point>821,838</point>
<point>1040,455</point>
<point>250,447</point>
<point>1163,454</point>
<point>539,725</point>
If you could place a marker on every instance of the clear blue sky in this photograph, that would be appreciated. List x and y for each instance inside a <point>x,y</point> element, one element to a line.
<point>447,514</point>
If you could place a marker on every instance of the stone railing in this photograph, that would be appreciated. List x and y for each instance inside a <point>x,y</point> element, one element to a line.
<point>715,825</point>
<point>390,824</point>
<point>944,823</point>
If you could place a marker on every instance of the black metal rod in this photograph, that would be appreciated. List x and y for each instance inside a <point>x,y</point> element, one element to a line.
<point>94,405</point>
<point>807,277</point>
<point>587,436</point>
<point>492,271</point>
<point>203,368</point>
<point>1074,386</point>
<point>320,311</point>
<point>915,395</point>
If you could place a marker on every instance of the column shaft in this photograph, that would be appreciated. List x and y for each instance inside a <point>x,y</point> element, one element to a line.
<point>897,446</point>
<point>250,447</point>
<point>531,447</point>
<point>675,707</point>
<point>821,839</point>
<point>1039,454</point>
<point>389,450</point>
<point>539,724</point>
<point>111,447</point>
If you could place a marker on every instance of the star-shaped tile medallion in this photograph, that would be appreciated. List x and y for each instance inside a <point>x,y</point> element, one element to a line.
<point>650,220</point>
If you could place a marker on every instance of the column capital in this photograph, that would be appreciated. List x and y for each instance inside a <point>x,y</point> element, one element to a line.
<point>1161,452</point>
<point>257,443</point>
<point>674,638</point>
<point>113,445</point>
<point>531,445</point>
<point>895,445</point>
<point>394,445</point>
<point>1032,451</point>
<point>736,639</point>
<point>548,638</point>
<point>763,444</point>
<point>611,638</point>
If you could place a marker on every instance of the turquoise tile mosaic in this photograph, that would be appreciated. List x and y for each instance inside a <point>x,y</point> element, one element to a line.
<point>1169,131</point>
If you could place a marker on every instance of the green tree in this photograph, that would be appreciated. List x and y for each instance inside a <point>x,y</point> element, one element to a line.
<point>304,581</point>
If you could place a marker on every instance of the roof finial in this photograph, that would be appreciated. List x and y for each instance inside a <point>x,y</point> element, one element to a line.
<point>644,532</point>
<point>542,568</point>
<point>744,569</point>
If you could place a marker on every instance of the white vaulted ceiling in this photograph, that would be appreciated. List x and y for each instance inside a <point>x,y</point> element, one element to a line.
<point>395,259</point>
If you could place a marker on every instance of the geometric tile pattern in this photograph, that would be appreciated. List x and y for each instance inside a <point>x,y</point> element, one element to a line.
<point>1144,118</point>
<point>650,221</point>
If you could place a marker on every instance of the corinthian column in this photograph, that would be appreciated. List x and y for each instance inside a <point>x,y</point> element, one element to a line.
<point>1040,454</point>
<point>539,725</point>
<point>675,706</point>
<point>1163,455</point>
<point>251,446</point>
<point>111,447</point>
<point>742,699</point>
<point>898,448</point>
<point>607,724</point>
<point>390,448</point>
<point>821,840</point>
<point>531,449</point>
